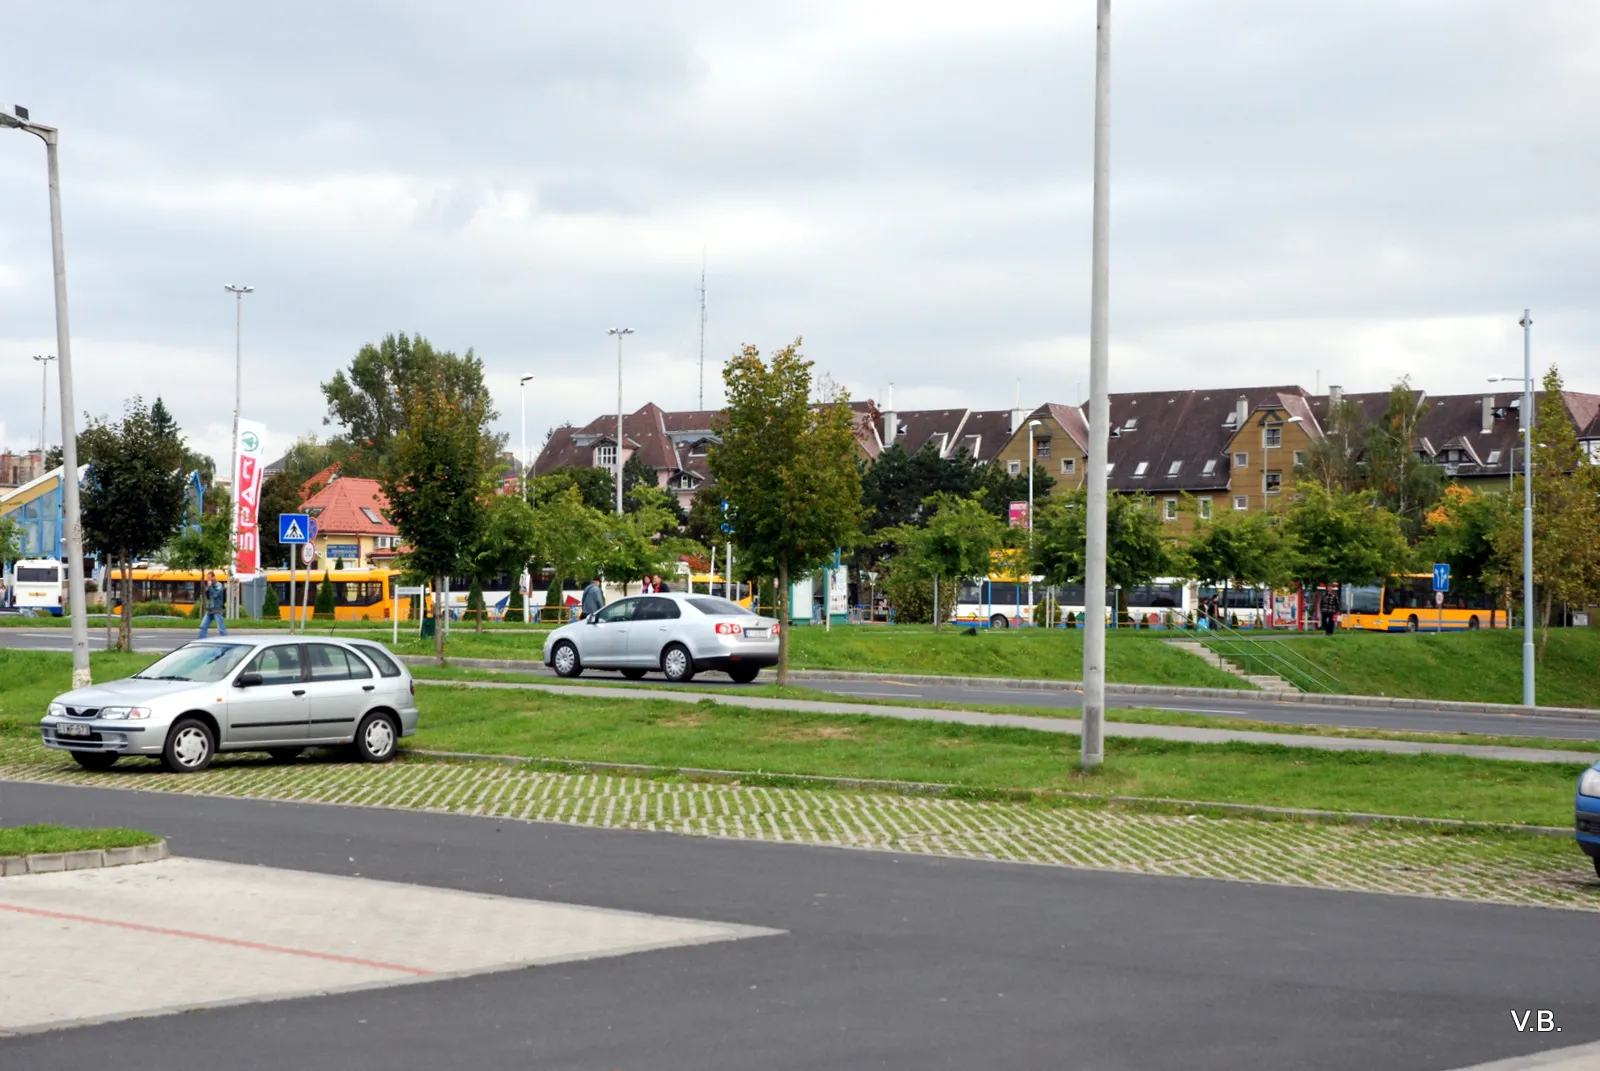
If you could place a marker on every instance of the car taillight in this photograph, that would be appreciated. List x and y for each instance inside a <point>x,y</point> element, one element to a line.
<point>774,628</point>
<point>413,686</point>
<point>728,628</point>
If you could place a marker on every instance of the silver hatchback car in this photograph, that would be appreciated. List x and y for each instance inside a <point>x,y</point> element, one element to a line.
<point>673,633</point>
<point>264,693</point>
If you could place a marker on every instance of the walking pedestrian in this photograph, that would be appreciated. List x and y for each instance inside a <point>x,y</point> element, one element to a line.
<point>1330,609</point>
<point>593,598</point>
<point>215,597</point>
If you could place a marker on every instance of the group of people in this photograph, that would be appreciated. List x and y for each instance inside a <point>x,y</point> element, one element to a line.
<point>653,585</point>
<point>594,597</point>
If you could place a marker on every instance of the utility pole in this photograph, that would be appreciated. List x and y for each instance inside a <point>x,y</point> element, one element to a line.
<point>1094,637</point>
<point>44,400</point>
<point>620,333</point>
<point>702,403</point>
<point>238,293</point>
<point>1527,510</point>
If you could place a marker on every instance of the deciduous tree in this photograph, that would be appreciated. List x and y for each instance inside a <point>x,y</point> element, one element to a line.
<point>1345,538</point>
<point>1137,550</point>
<point>508,543</point>
<point>957,541</point>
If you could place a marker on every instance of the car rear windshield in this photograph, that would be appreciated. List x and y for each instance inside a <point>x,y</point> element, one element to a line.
<point>717,607</point>
<point>201,662</point>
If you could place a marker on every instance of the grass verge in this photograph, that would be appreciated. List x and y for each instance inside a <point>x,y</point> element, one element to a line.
<point>34,840</point>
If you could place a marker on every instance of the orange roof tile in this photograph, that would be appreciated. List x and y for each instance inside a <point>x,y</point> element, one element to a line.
<point>350,506</point>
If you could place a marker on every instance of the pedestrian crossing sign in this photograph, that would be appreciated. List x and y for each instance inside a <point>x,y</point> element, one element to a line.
<point>294,528</point>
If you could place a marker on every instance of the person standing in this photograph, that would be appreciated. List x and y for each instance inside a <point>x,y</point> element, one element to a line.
<point>593,598</point>
<point>215,598</point>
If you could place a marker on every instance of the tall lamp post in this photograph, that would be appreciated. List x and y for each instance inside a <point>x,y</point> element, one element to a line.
<point>1094,595</point>
<point>620,333</point>
<point>44,400</point>
<point>238,293</point>
<point>1033,616</point>
<point>17,119</point>
<point>1527,503</point>
<point>522,388</point>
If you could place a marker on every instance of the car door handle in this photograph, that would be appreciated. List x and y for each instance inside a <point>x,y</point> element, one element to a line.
<point>299,691</point>
<point>367,687</point>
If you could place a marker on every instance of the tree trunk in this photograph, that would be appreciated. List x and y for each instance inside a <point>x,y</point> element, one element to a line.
<point>784,618</point>
<point>125,631</point>
<point>1544,631</point>
<point>936,602</point>
<point>438,619</point>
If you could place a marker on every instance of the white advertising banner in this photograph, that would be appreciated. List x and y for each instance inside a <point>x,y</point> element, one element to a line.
<point>247,480</point>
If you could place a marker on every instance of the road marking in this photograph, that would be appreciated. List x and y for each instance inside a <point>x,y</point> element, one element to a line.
<point>908,695</point>
<point>234,942</point>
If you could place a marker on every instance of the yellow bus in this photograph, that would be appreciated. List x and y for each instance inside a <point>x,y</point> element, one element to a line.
<point>178,588</point>
<point>1406,604</point>
<point>358,594</point>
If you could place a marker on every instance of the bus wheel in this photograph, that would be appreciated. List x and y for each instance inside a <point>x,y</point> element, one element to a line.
<point>1472,623</point>
<point>1411,623</point>
<point>999,621</point>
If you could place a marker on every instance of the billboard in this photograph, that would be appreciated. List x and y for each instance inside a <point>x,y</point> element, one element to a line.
<point>247,479</point>
<point>1019,515</point>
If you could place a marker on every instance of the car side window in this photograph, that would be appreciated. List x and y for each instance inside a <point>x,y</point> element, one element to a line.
<point>380,658</point>
<point>359,670</point>
<point>621,610</point>
<point>327,662</point>
<point>657,610</point>
<point>277,665</point>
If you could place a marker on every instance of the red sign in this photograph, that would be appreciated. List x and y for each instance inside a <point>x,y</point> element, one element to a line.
<point>1019,515</point>
<point>247,500</point>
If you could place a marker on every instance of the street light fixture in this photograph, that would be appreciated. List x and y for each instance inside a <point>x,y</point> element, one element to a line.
<point>18,119</point>
<point>1527,503</point>
<point>620,333</point>
<point>522,389</point>
<point>44,400</point>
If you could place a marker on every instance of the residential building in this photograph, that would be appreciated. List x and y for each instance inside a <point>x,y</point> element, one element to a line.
<point>352,525</point>
<point>18,469</point>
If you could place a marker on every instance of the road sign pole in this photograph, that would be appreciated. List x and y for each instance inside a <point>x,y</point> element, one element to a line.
<point>294,552</point>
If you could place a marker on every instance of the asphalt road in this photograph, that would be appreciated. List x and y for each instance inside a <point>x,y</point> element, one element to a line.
<point>56,639</point>
<point>888,961</point>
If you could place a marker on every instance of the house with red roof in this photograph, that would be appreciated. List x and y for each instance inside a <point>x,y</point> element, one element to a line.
<point>352,523</point>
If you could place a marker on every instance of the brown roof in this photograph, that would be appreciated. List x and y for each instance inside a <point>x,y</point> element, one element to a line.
<point>1188,427</point>
<point>342,508</point>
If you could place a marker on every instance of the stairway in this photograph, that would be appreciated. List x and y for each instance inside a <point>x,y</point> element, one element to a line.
<point>1267,682</point>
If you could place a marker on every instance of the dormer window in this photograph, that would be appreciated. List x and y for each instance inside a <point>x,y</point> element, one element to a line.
<point>697,449</point>
<point>605,456</point>
<point>1140,469</point>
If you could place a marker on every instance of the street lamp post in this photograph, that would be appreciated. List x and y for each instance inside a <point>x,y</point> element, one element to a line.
<point>620,333</point>
<point>527,492</point>
<point>1033,616</point>
<point>238,293</point>
<point>18,119</point>
<point>44,400</point>
<point>1094,595</point>
<point>1527,504</point>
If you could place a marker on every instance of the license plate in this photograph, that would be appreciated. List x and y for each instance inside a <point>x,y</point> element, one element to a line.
<point>72,729</point>
<point>756,633</point>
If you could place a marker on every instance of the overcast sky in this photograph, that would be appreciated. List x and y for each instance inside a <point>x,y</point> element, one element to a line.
<point>1339,192</point>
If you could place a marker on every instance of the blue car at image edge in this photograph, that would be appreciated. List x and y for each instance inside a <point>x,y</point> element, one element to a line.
<point>1588,818</point>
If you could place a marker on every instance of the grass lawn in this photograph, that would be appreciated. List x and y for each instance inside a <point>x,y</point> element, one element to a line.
<point>30,679</point>
<point>32,840</point>
<point>704,735</point>
<point>1138,715</point>
<point>1480,667</point>
<point>1047,654</point>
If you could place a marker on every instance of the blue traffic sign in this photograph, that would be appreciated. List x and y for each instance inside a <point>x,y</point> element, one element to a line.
<point>296,528</point>
<point>1441,576</point>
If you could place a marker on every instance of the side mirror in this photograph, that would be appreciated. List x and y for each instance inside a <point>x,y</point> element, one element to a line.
<point>247,680</point>
<point>591,620</point>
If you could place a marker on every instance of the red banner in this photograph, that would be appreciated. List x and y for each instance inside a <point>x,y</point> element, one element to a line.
<point>247,477</point>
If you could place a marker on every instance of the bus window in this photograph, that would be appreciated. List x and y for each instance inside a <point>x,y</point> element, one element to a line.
<point>1361,599</point>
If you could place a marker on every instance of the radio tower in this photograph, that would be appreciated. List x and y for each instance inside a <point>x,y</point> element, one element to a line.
<point>702,328</point>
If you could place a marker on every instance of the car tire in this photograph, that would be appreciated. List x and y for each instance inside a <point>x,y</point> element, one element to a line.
<point>1472,623</point>
<point>999,621</point>
<point>1411,623</point>
<point>677,664</point>
<point>634,674</point>
<point>377,738</point>
<point>1596,861</point>
<point>284,754</point>
<point>190,746</point>
<point>565,661</point>
<point>96,760</point>
<point>744,674</point>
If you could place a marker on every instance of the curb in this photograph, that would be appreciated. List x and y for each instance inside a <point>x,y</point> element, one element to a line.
<point>89,859</point>
<point>1173,691</point>
<point>927,788</point>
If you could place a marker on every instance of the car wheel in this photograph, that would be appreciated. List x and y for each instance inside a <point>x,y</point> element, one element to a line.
<point>744,674</point>
<point>96,760</point>
<point>999,621</point>
<point>677,663</point>
<point>190,746</point>
<point>634,674</point>
<point>377,739</point>
<point>1596,861</point>
<point>565,660</point>
<point>1411,623</point>
<point>1472,623</point>
<point>284,754</point>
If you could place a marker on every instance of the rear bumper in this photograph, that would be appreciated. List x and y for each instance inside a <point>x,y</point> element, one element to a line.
<point>728,661</point>
<point>1586,823</point>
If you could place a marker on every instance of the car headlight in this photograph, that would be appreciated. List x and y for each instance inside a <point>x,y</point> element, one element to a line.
<point>124,713</point>
<point>1589,783</point>
<point>57,711</point>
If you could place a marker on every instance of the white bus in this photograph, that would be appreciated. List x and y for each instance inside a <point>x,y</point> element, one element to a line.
<point>39,584</point>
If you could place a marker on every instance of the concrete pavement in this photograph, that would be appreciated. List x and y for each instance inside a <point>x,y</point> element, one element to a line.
<point>887,960</point>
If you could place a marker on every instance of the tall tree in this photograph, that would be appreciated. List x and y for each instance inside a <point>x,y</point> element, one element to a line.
<point>1345,538</point>
<point>595,486</point>
<point>206,542</point>
<point>958,541</point>
<point>436,477</point>
<point>1253,548</point>
<point>1464,529</point>
<point>896,486</point>
<point>1137,549</point>
<point>570,536</point>
<point>1334,460</point>
<point>1001,488</point>
<point>634,546</point>
<point>787,468</point>
<point>279,494</point>
<point>1404,483</point>
<point>510,538</point>
<point>369,399</point>
<point>134,497</point>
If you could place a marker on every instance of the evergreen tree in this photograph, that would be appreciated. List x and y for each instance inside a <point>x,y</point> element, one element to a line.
<point>324,606</point>
<point>271,609</point>
<point>476,610</point>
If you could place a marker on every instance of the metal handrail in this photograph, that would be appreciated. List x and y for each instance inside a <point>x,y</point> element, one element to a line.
<point>1274,657</point>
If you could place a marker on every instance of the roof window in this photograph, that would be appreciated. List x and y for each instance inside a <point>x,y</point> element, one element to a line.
<point>1132,424</point>
<point>1210,467</point>
<point>1140,469</point>
<point>371,514</point>
<point>1494,457</point>
<point>1172,469</point>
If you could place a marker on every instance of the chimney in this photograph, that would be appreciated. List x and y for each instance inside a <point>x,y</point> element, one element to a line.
<point>891,420</point>
<point>1335,395</point>
<point>1488,414</point>
<point>1242,412</point>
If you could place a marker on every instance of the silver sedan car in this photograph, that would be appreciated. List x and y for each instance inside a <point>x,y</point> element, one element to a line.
<point>676,634</point>
<point>271,694</point>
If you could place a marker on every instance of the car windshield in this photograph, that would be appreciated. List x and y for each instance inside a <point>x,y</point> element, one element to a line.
<point>201,662</point>
<point>718,607</point>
